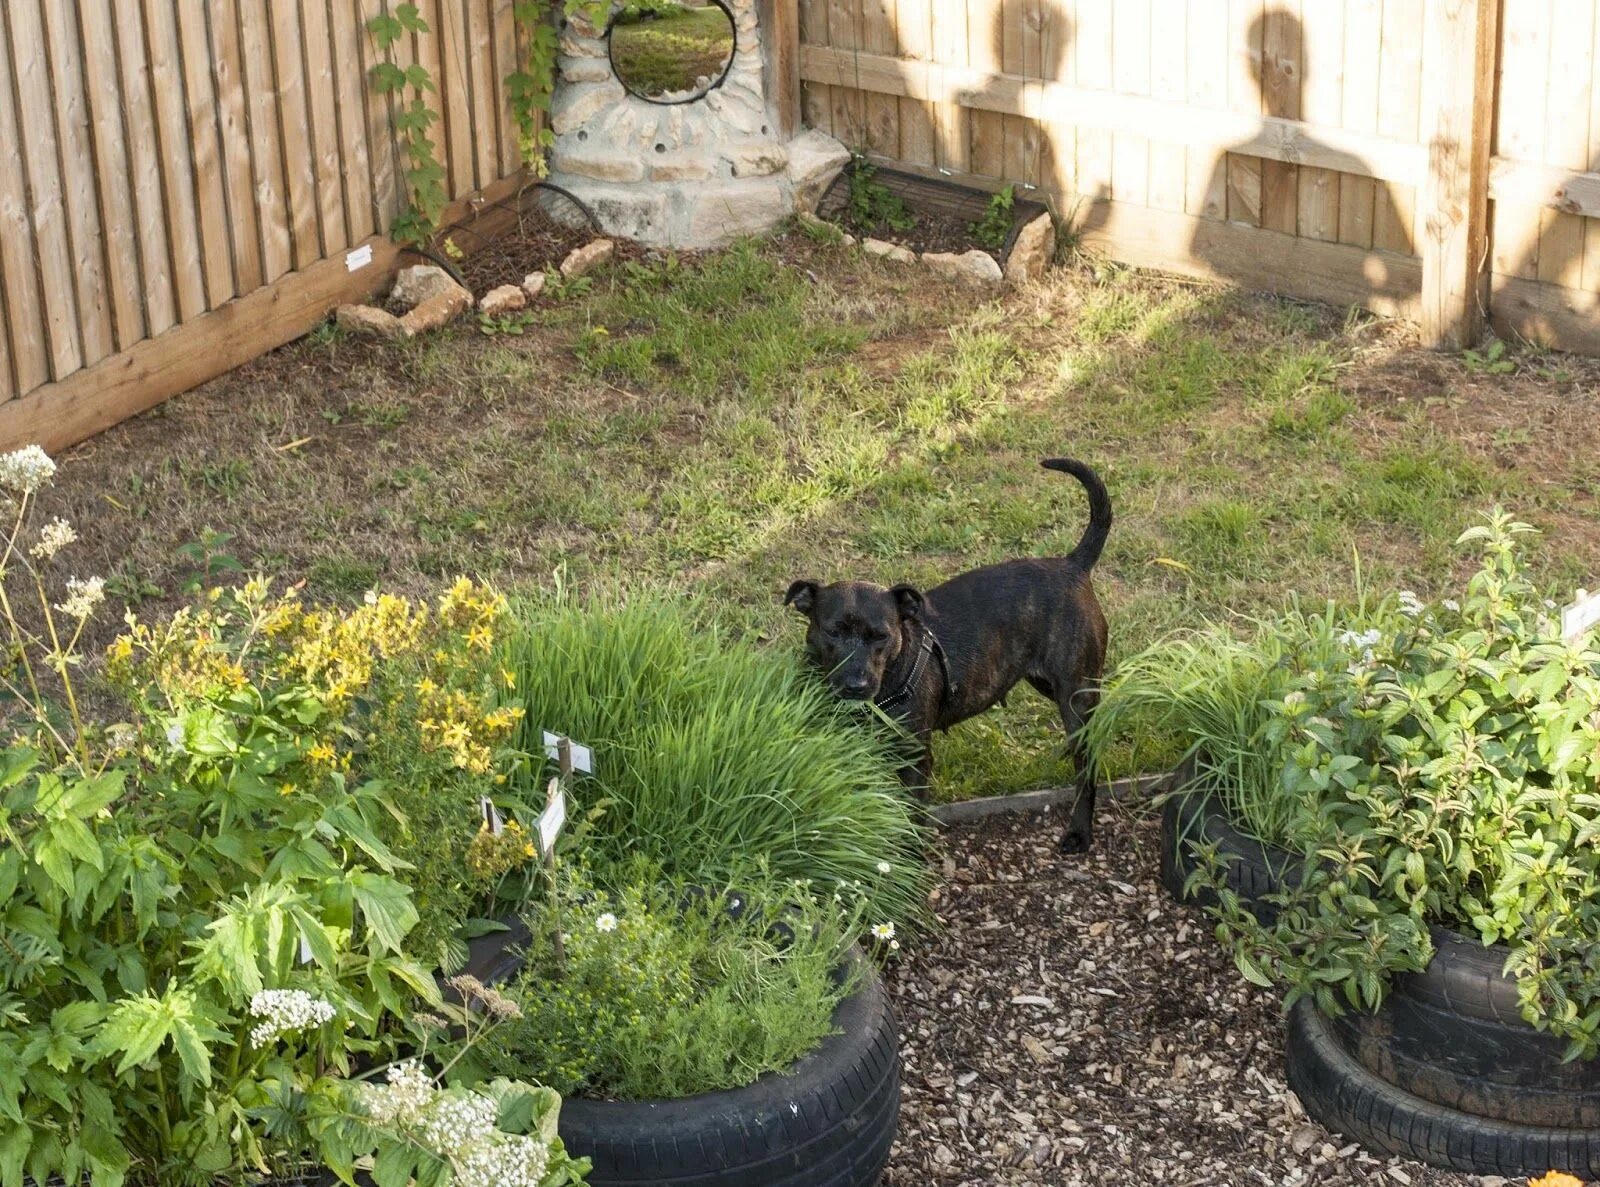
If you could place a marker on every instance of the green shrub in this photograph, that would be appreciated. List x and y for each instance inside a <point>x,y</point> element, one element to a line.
<point>711,754</point>
<point>1440,765</point>
<point>664,993</point>
<point>994,227</point>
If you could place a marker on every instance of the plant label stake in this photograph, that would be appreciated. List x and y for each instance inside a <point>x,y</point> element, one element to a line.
<point>578,757</point>
<point>550,822</point>
<point>492,819</point>
<point>1580,617</point>
<point>306,954</point>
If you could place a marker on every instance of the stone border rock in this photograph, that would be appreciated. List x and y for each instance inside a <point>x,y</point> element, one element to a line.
<point>1030,254</point>
<point>964,811</point>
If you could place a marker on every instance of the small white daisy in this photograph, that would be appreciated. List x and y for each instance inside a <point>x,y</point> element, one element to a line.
<point>606,922</point>
<point>883,931</point>
<point>884,867</point>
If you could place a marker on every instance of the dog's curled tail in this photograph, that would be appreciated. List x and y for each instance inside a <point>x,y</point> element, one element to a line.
<point>1094,536</point>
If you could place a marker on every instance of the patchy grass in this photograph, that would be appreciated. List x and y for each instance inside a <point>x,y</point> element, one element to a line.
<point>671,53</point>
<point>734,421</point>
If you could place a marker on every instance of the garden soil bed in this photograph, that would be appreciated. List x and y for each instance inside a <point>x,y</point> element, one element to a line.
<point>535,243</point>
<point>944,213</point>
<point>1069,1025</point>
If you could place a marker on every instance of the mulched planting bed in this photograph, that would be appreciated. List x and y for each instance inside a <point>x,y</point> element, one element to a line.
<point>944,213</point>
<point>535,243</point>
<point>1069,1024</point>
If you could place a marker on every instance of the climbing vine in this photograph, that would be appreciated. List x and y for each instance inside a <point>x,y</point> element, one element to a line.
<point>413,124</point>
<point>531,87</point>
<point>529,90</point>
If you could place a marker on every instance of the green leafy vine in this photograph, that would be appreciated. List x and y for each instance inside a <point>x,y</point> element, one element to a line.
<point>413,124</point>
<point>531,87</point>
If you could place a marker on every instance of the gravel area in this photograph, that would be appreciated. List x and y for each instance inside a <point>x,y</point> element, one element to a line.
<point>1069,1024</point>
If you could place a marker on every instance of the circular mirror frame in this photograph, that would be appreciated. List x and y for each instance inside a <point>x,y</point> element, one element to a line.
<point>722,75</point>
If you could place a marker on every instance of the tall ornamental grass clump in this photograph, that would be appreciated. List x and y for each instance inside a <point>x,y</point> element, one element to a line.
<point>712,754</point>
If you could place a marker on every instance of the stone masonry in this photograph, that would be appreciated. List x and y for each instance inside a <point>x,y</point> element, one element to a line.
<point>681,175</point>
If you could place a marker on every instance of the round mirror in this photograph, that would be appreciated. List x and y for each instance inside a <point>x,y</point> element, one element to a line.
<point>671,51</point>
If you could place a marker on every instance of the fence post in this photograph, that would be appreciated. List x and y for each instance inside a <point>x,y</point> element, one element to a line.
<point>779,23</point>
<point>1459,69</point>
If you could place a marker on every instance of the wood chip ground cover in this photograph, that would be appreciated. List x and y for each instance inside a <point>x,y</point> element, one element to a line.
<point>1068,1025</point>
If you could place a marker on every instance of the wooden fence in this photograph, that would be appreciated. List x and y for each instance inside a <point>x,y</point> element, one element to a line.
<point>1428,158</point>
<point>185,184</point>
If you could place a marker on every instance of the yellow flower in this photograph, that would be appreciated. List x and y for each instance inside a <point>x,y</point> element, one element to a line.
<point>1555,1179</point>
<point>508,677</point>
<point>286,789</point>
<point>322,752</point>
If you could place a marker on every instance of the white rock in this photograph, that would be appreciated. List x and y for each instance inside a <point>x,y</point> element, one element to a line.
<point>1032,252</point>
<point>598,164</point>
<point>889,251</point>
<point>970,267</point>
<point>416,284</point>
<point>533,285</point>
<point>508,298</point>
<point>436,311</point>
<point>587,258</point>
<point>815,159</point>
<point>759,160</point>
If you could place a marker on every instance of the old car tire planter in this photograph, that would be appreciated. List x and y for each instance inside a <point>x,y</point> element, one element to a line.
<point>1446,1070</point>
<point>1347,1097</point>
<point>1253,870</point>
<point>828,1123</point>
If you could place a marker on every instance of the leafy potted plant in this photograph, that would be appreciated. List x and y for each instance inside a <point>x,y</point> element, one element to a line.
<point>1411,853</point>
<point>205,933</point>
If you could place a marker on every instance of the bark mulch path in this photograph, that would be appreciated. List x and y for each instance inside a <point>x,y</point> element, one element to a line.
<point>1069,1024</point>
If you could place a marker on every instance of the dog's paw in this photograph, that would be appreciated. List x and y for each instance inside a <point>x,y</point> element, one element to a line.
<point>1076,841</point>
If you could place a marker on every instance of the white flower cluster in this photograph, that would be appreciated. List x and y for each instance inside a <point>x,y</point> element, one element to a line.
<point>459,1126</point>
<point>83,596</point>
<point>1410,603</point>
<point>285,1011</point>
<point>1364,641</point>
<point>606,922</point>
<point>24,471</point>
<point>53,537</point>
<point>1451,605</point>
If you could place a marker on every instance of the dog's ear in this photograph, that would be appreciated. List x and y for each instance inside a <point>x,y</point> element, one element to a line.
<point>909,599</point>
<point>802,596</point>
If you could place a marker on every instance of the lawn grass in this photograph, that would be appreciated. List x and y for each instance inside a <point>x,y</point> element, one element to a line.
<point>736,421</point>
<point>671,53</point>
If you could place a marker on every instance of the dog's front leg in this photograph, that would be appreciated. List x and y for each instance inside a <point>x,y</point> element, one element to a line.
<point>917,775</point>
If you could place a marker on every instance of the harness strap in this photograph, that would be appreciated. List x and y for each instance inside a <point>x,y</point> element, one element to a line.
<point>927,645</point>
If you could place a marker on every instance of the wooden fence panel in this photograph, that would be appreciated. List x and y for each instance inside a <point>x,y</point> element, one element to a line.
<point>191,175</point>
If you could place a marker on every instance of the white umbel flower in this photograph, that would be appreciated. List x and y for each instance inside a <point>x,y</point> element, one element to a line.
<point>53,537</point>
<point>512,1160</point>
<point>1410,603</point>
<point>23,471</point>
<point>286,1011</point>
<point>83,596</point>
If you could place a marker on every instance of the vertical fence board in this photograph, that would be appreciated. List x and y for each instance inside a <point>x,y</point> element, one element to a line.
<point>485,92</point>
<point>949,119</point>
<point>915,33</point>
<point>85,241</point>
<point>31,78</point>
<point>200,100</point>
<point>383,153</point>
<point>350,85</point>
<point>113,192</point>
<point>505,61</point>
<point>816,99</point>
<point>177,164</point>
<point>1321,96</point>
<point>882,112</point>
<point>299,163</point>
<point>1168,81</point>
<point>233,127</point>
<point>20,305</point>
<point>1399,108</point>
<point>986,130</point>
<point>1566,135</point>
<point>1244,94</point>
<point>1358,196</point>
<point>1207,76</point>
<point>266,151</point>
<point>1281,74</point>
<point>1524,59</point>
<point>1130,75</point>
<point>322,93</point>
<point>1093,45</point>
<point>1591,235</point>
<point>1058,166</point>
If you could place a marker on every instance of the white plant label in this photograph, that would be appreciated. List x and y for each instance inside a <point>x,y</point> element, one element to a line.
<point>582,756</point>
<point>553,817</point>
<point>305,950</point>
<point>358,259</point>
<point>1580,617</point>
<point>492,820</point>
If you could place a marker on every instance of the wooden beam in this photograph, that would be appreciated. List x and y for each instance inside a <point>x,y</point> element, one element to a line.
<point>1566,190</point>
<point>1459,71</point>
<point>1252,258</point>
<point>1169,122</point>
<point>93,399</point>
<point>778,24</point>
<point>1550,314</point>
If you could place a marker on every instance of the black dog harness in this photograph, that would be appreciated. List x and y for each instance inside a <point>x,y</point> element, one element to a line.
<point>927,645</point>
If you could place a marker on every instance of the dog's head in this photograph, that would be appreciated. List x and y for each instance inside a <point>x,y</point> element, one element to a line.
<point>856,630</point>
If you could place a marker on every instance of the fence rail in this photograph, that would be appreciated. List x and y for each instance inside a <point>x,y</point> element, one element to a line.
<point>187,179</point>
<point>1332,149</point>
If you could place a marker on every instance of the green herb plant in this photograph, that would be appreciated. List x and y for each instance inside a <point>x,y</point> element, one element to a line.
<point>412,120</point>
<point>1442,769</point>
<point>668,990</point>
<point>872,205</point>
<point>991,230</point>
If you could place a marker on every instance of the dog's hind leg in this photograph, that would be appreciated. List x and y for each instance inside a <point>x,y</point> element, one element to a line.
<point>1076,705</point>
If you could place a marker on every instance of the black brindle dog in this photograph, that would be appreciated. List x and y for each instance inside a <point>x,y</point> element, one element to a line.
<point>934,659</point>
